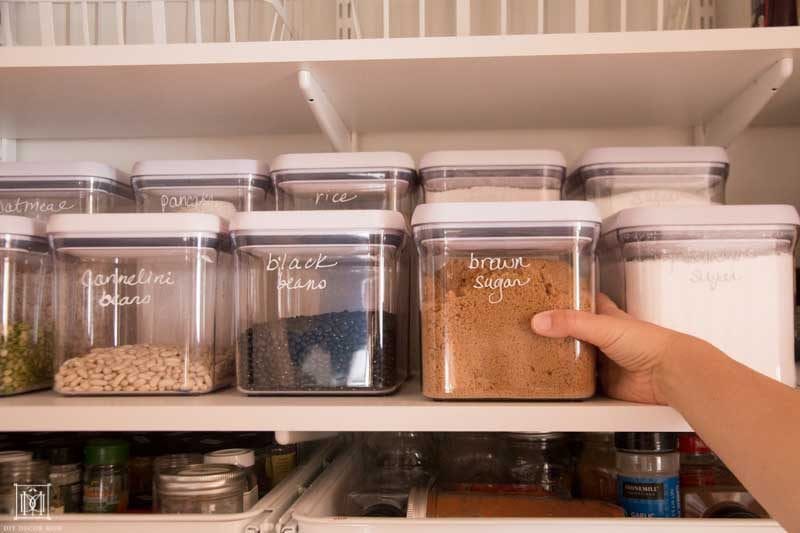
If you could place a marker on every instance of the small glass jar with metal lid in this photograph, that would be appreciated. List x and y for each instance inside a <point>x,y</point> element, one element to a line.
<point>163,463</point>
<point>25,471</point>
<point>244,458</point>
<point>205,489</point>
<point>648,466</point>
<point>541,461</point>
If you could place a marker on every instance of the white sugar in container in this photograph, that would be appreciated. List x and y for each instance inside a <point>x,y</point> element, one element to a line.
<point>721,273</point>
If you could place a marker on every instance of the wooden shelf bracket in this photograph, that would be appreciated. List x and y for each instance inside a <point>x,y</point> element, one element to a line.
<point>737,114</point>
<point>329,120</point>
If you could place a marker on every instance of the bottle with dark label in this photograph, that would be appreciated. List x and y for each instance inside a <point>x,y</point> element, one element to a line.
<point>648,467</point>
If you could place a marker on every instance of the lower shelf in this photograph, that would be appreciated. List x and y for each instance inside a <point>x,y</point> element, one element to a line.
<point>407,410</point>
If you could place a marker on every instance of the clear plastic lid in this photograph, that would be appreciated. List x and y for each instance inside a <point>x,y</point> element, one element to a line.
<point>201,173</point>
<point>492,163</point>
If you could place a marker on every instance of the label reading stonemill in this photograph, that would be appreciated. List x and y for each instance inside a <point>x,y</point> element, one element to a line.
<point>645,497</point>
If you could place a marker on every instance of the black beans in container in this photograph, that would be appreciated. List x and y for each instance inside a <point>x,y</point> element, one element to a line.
<point>330,352</point>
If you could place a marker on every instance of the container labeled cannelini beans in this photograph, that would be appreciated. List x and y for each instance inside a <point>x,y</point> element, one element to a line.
<point>485,270</point>
<point>140,303</point>
<point>323,301</point>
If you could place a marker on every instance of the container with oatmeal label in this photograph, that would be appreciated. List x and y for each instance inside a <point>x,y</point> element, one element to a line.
<point>139,305</point>
<point>485,270</point>
<point>38,190</point>
<point>217,186</point>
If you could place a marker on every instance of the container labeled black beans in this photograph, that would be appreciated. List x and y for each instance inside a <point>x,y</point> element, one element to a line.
<point>323,299</point>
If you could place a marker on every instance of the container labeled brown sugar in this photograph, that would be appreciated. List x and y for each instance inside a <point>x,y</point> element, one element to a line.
<point>485,270</point>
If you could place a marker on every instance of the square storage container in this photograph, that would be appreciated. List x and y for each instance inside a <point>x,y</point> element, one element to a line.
<point>492,175</point>
<point>485,270</point>
<point>217,186</point>
<point>26,324</point>
<point>350,180</point>
<point>722,273</point>
<point>322,301</point>
<point>40,189</point>
<point>621,178</point>
<point>143,303</point>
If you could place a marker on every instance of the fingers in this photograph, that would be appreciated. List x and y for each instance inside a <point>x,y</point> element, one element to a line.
<point>606,306</point>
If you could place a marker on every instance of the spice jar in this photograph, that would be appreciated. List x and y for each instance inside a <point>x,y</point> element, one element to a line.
<point>323,301</point>
<point>140,307</point>
<point>21,472</point>
<point>486,270</point>
<point>203,488</point>
<point>105,476</point>
<point>163,463</point>
<point>541,463</point>
<point>140,472</point>
<point>469,460</point>
<point>492,175</point>
<point>244,459</point>
<point>66,473</point>
<point>217,186</point>
<point>281,460</point>
<point>597,467</point>
<point>648,467</point>
<point>26,331</point>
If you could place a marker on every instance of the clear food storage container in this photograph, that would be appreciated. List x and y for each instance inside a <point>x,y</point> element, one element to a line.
<point>26,327</point>
<point>141,304</point>
<point>40,189</point>
<point>322,303</point>
<point>351,180</point>
<point>621,178</point>
<point>721,273</point>
<point>485,270</point>
<point>492,175</point>
<point>217,186</point>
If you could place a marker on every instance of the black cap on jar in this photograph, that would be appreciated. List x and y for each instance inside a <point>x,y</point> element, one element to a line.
<point>646,442</point>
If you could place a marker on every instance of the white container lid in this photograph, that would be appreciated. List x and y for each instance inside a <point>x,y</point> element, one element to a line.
<point>707,215</point>
<point>273,222</point>
<point>62,169</point>
<point>492,158</point>
<point>343,161</point>
<point>22,226</point>
<point>135,223</point>
<point>200,167</point>
<point>509,212</point>
<point>232,456</point>
<point>653,155</point>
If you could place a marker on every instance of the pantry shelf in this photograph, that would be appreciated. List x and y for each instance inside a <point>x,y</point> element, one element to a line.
<point>406,411</point>
<point>674,78</point>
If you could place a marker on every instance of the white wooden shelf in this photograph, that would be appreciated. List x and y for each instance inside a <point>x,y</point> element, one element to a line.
<point>674,78</point>
<point>406,411</point>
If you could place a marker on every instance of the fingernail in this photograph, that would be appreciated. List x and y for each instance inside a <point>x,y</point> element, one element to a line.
<point>542,322</point>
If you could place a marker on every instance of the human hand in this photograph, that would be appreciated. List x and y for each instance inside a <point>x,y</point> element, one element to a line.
<point>636,352</point>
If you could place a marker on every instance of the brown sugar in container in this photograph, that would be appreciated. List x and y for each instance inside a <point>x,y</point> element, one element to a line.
<point>485,270</point>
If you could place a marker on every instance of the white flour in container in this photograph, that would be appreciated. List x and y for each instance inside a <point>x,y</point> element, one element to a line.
<point>615,202</point>
<point>487,193</point>
<point>741,304</point>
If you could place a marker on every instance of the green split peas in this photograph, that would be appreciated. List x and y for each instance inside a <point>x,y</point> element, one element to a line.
<point>26,359</point>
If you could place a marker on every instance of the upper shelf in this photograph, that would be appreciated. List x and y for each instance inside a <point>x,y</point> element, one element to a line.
<point>671,78</point>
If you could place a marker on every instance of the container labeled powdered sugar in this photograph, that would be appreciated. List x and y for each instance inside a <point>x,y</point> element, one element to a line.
<point>492,175</point>
<point>721,273</point>
<point>622,178</point>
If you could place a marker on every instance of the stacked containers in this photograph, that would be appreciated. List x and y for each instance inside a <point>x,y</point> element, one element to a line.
<point>38,190</point>
<point>136,308</point>
<point>721,273</point>
<point>621,178</point>
<point>492,175</point>
<point>322,301</point>
<point>485,270</point>
<point>26,344</point>
<point>217,186</point>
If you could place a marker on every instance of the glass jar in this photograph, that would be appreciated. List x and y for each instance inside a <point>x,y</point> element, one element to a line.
<point>468,460</point>
<point>492,175</point>
<point>163,463</point>
<point>22,472</point>
<point>621,178</point>
<point>648,466</point>
<point>105,476</point>
<point>140,472</point>
<point>597,467</point>
<point>245,459</point>
<point>323,301</point>
<point>541,463</point>
<point>486,269</point>
<point>281,460</point>
<point>66,493</point>
<point>141,307</point>
<point>217,186</point>
<point>204,488</point>
<point>38,189</point>
<point>26,328</point>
